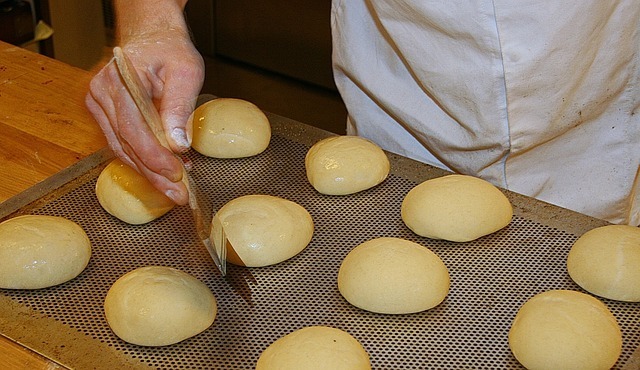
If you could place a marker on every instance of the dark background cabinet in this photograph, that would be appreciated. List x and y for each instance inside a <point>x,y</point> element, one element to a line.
<point>289,37</point>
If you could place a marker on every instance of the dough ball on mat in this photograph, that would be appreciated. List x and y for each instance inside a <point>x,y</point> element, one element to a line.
<point>315,348</point>
<point>564,329</point>
<point>129,196</point>
<point>458,208</point>
<point>606,262</point>
<point>41,251</point>
<point>263,229</point>
<point>230,128</point>
<point>158,306</point>
<point>341,165</point>
<point>393,276</point>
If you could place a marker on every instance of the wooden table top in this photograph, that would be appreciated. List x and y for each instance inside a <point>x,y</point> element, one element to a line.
<point>44,125</point>
<point>44,128</point>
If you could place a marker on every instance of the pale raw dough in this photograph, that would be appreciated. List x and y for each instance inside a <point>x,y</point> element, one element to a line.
<point>393,276</point>
<point>606,262</point>
<point>342,165</point>
<point>315,348</point>
<point>563,329</point>
<point>129,196</point>
<point>158,306</point>
<point>458,208</point>
<point>230,128</point>
<point>263,229</point>
<point>41,251</point>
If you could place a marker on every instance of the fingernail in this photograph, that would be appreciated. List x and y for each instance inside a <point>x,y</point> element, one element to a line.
<point>179,136</point>
<point>173,195</point>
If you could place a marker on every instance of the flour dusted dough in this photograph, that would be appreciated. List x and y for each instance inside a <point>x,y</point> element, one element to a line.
<point>230,128</point>
<point>606,262</point>
<point>158,306</point>
<point>341,165</point>
<point>264,229</point>
<point>315,348</point>
<point>41,251</point>
<point>393,276</point>
<point>563,329</point>
<point>129,196</point>
<point>458,208</point>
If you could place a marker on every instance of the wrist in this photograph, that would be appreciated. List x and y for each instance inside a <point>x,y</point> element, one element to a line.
<point>136,19</point>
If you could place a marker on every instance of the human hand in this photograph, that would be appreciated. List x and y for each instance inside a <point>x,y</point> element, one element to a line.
<point>172,72</point>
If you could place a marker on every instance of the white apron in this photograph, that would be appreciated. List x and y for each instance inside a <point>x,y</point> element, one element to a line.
<point>539,97</point>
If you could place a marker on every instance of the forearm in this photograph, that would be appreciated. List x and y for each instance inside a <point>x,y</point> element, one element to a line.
<point>137,18</point>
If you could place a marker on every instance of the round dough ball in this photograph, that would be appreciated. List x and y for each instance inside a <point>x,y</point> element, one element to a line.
<point>41,251</point>
<point>606,262</point>
<point>457,208</point>
<point>393,276</point>
<point>341,165</point>
<point>129,196</point>
<point>230,128</point>
<point>263,229</point>
<point>563,329</point>
<point>158,306</point>
<point>315,348</point>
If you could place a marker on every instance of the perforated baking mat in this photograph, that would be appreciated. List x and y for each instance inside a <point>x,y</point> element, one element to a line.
<point>490,277</point>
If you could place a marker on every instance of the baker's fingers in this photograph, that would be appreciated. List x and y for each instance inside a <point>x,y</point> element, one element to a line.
<point>176,191</point>
<point>100,105</point>
<point>158,164</point>
<point>103,121</point>
<point>138,140</point>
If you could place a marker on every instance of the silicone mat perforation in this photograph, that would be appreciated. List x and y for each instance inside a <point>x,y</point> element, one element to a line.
<point>491,277</point>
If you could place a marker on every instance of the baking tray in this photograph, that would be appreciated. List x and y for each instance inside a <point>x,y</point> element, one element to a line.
<point>490,277</point>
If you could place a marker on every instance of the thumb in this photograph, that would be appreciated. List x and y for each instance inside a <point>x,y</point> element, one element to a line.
<point>176,105</point>
<point>175,123</point>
